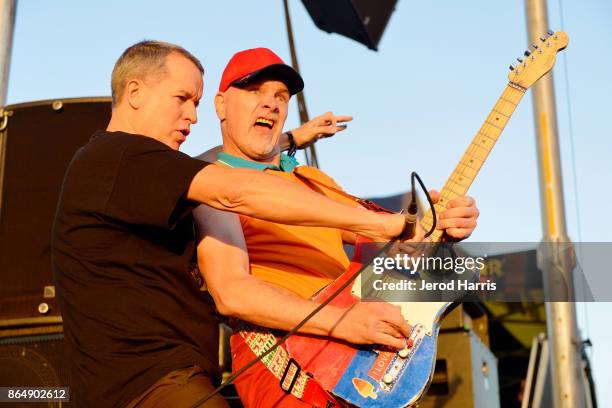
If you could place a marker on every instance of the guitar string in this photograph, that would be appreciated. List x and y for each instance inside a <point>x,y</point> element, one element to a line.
<point>471,152</point>
<point>449,187</point>
<point>505,102</point>
<point>452,183</point>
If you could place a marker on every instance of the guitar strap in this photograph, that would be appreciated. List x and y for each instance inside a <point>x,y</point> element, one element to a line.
<point>292,379</point>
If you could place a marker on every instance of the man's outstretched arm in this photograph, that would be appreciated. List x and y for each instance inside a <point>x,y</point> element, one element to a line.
<point>223,260</point>
<point>264,196</point>
<point>319,127</point>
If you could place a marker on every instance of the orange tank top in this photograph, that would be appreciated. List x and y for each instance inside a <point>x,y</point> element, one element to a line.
<point>300,259</point>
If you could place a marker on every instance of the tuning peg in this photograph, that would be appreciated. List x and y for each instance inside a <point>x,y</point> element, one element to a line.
<point>550,32</point>
<point>511,67</point>
<point>535,46</point>
<point>542,39</point>
<point>519,60</point>
<point>527,53</point>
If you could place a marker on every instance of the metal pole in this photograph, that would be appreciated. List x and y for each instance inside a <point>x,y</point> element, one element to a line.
<point>8,9</point>
<point>7,23</point>
<point>556,265</point>
<point>310,152</point>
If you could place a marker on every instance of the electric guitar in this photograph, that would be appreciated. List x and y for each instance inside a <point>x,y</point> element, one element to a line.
<point>365,376</point>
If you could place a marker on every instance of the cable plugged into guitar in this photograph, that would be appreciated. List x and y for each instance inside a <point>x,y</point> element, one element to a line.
<point>411,216</point>
<point>413,209</point>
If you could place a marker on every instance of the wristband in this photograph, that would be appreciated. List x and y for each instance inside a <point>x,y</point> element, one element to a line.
<point>292,146</point>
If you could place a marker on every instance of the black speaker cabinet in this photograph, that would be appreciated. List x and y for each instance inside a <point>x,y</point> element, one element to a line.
<point>33,357</point>
<point>362,20</point>
<point>37,141</point>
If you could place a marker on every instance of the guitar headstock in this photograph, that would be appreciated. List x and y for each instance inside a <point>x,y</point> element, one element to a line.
<point>539,60</point>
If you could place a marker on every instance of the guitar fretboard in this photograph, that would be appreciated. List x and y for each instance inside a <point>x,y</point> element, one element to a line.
<point>475,155</point>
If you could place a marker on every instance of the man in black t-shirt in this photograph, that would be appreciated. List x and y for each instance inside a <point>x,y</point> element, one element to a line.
<point>138,330</point>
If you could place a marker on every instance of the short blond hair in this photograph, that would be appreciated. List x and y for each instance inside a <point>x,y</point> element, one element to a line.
<point>143,60</point>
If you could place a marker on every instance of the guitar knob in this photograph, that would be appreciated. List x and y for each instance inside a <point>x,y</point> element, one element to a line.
<point>387,378</point>
<point>403,353</point>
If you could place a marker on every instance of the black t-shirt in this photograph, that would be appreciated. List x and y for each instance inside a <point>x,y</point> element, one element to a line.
<point>123,252</point>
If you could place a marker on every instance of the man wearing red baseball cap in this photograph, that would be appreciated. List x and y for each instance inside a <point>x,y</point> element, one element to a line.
<point>258,64</point>
<point>265,272</point>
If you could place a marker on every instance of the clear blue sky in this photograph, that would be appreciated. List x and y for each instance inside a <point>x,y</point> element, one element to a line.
<point>417,102</point>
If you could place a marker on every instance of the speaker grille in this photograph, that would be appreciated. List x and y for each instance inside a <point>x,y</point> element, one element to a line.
<point>33,361</point>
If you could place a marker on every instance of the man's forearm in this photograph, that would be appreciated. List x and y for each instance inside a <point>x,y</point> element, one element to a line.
<point>272,198</point>
<point>256,301</point>
<point>361,323</point>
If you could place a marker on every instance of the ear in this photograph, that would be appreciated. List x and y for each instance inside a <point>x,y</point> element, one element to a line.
<point>135,92</point>
<point>220,105</point>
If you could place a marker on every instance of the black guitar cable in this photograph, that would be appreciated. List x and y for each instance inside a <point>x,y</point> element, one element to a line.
<point>385,248</point>
<point>412,207</point>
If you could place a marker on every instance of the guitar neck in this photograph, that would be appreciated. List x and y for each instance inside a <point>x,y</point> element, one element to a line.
<point>475,155</point>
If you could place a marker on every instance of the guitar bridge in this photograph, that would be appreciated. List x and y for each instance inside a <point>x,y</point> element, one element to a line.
<point>401,361</point>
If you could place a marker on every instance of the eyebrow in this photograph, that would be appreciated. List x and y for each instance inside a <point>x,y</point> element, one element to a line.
<point>191,95</point>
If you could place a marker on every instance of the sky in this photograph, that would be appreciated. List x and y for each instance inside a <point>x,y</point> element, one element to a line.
<point>417,102</point>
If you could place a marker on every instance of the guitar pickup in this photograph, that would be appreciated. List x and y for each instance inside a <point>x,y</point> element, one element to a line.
<point>399,362</point>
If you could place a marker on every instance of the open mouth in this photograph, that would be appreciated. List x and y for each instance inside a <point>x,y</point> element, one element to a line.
<point>185,132</point>
<point>268,123</point>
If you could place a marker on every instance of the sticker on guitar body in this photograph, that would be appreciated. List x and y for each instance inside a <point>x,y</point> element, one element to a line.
<point>386,379</point>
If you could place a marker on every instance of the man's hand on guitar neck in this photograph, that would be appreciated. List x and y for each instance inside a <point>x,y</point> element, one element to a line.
<point>459,219</point>
<point>458,222</point>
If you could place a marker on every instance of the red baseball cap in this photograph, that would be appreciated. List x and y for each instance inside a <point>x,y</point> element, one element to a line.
<point>256,64</point>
